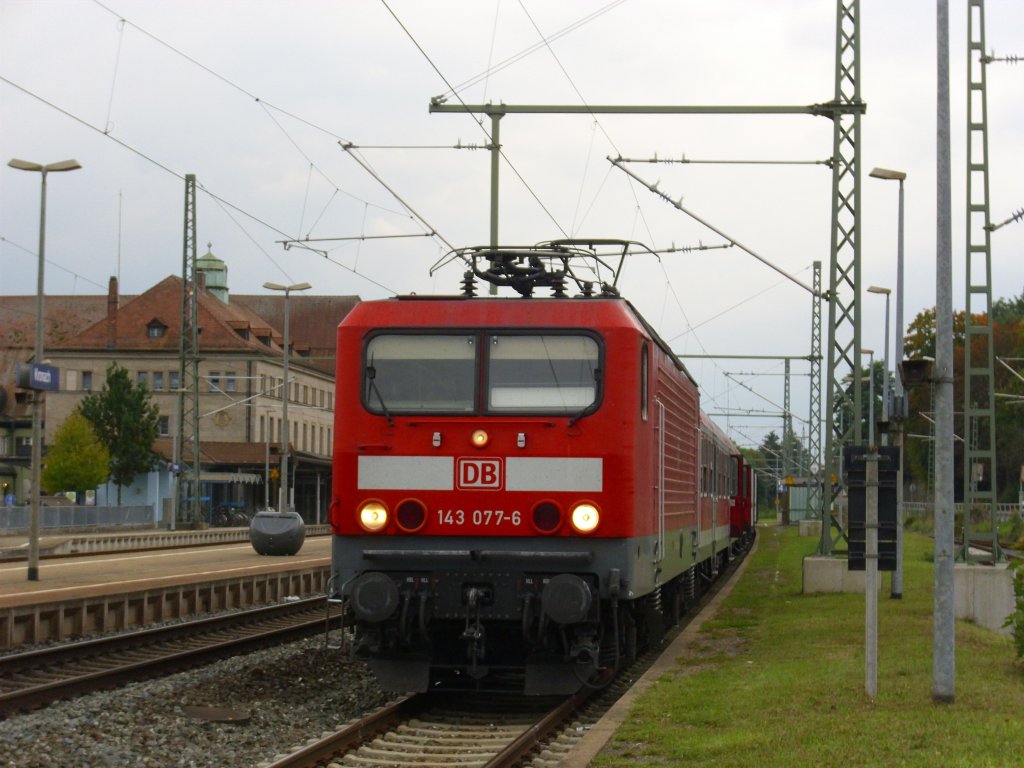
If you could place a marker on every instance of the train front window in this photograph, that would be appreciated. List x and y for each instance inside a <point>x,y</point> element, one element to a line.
<point>542,373</point>
<point>420,373</point>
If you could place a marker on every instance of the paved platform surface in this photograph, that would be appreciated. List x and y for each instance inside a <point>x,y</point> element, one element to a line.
<point>117,573</point>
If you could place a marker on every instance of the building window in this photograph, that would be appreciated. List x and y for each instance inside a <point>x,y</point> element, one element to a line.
<point>229,382</point>
<point>158,381</point>
<point>163,426</point>
<point>215,381</point>
<point>263,429</point>
<point>142,378</point>
<point>156,329</point>
<point>174,380</point>
<point>87,381</point>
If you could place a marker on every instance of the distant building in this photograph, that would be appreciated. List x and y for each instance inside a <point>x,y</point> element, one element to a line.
<point>240,400</point>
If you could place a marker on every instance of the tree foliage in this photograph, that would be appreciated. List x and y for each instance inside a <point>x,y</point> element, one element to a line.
<point>77,461</point>
<point>127,423</point>
<point>1008,345</point>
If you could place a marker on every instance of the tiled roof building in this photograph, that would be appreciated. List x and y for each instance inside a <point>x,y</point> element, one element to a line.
<point>240,400</point>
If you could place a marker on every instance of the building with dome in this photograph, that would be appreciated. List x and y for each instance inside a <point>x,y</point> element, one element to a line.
<point>240,399</point>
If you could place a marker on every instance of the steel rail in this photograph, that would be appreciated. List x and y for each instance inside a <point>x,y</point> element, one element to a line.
<point>33,678</point>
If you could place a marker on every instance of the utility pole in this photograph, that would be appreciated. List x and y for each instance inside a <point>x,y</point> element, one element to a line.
<point>188,483</point>
<point>943,623</point>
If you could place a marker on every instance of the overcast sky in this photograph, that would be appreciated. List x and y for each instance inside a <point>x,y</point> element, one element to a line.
<point>254,98</point>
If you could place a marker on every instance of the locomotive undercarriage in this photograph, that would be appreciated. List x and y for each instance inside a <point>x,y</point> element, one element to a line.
<point>540,634</point>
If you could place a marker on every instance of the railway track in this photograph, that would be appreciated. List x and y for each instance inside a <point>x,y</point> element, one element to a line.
<point>34,678</point>
<point>434,729</point>
<point>446,730</point>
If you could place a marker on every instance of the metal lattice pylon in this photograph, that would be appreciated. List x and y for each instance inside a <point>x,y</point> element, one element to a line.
<point>814,418</point>
<point>787,428</point>
<point>189,506</point>
<point>844,267</point>
<point>980,487</point>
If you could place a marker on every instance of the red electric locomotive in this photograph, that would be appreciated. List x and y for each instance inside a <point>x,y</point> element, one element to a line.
<point>525,489</point>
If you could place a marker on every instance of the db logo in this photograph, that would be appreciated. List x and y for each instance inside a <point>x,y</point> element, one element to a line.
<point>478,473</point>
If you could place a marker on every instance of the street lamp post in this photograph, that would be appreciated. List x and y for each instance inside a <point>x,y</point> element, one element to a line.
<point>898,397</point>
<point>37,440</point>
<point>284,504</point>
<point>281,532</point>
<point>885,372</point>
<point>871,394</point>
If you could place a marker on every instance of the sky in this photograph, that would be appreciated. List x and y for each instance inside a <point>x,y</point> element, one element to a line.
<point>256,98</point>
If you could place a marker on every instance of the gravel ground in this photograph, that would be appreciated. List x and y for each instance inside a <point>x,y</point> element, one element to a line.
<point>290,694</point>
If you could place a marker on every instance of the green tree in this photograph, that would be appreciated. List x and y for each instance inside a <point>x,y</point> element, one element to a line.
<point>126,421</point>
<point>1008,347</point>
<point>77,460</point>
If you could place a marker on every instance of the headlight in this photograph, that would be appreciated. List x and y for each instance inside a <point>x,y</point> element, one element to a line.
<point>546,517</point>
<point>411,515</point>
<point>585,517</point>
<point>373,516</point>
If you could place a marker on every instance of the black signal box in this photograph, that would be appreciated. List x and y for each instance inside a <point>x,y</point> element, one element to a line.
<point>855,472</point>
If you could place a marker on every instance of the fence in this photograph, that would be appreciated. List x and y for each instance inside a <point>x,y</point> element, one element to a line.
<point>1004,512</point>
<point>14,520</point>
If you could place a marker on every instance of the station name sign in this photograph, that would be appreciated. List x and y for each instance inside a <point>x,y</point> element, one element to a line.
<point>36,376</point>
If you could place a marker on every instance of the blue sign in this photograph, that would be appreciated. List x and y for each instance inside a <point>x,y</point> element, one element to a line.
<point>37,376</point>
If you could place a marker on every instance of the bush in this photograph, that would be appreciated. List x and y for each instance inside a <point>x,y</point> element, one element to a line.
<point>1016,619</point>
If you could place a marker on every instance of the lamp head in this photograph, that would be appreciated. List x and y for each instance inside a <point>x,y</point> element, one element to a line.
<point>63,165</point>
<point>886,173</point>
<point>279,287</point>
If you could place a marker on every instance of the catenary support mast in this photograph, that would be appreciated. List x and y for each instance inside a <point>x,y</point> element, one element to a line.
<point>844,267</point>
<point>980,475</point>
<point>189,506</point>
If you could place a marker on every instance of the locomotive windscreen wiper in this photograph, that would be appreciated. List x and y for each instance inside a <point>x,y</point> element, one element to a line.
<point>591,406</point>
<point>371,375</point>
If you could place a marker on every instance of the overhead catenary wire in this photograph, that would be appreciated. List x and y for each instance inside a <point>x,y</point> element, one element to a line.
<point>52,263</point>
<point>515,58</point>
<point>676,204</point>
<point>139,153</point>
<point>266,106</point>
<point>480,126</point>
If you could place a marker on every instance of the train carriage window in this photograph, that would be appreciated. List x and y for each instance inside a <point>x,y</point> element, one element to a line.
<point>542,373</point>
<point>420,373</point>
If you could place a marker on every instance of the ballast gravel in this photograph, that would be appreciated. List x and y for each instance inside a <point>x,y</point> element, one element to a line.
<point>284,696</point>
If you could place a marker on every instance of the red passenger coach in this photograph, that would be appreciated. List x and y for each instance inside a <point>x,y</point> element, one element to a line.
<point>525,488</point>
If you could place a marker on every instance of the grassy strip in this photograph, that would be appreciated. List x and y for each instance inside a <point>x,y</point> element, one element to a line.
<point>777,679</point>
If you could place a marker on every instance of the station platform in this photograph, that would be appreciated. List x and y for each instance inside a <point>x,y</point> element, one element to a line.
<point>137,578</point>
<point>50,544</point>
